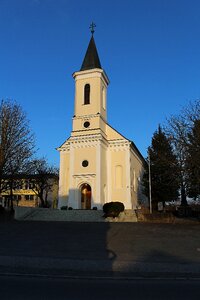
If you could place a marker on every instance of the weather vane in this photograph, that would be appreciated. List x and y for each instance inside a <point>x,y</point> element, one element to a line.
<point>92,26</point>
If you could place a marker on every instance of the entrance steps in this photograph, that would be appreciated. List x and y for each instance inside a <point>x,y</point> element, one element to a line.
<point>75,215</point>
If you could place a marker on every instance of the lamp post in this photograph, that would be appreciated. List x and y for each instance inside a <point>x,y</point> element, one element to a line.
<point>150,200</point>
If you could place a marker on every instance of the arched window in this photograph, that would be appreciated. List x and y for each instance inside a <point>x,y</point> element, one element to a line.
<point>87,94</point>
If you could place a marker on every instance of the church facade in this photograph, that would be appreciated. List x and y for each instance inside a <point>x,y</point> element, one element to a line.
<point>97,163</point>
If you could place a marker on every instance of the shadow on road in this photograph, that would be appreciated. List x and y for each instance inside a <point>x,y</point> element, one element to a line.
<point>72,248</point>
<point>55,247</point>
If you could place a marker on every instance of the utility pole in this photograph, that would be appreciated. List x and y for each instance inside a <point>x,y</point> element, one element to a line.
<point>150,200</point>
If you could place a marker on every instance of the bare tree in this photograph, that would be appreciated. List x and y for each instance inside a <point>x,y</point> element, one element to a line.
<point>193,162</point>
<point>191,113</point>
<point>16,143</point>
<point>177,129</point>
<point>43,177</point>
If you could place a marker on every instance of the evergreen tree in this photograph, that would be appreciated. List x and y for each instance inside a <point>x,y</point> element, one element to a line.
<point>193,161</point>
<point>165,175</point>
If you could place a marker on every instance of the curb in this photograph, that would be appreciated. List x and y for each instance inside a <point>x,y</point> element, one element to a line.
<point>70,268</point>
<point>126,277</point>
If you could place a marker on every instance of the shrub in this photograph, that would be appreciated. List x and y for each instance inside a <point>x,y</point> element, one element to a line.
<point>70,208</point>
<point>113,209</point>
<point>64,207</point>
<point>94,208</point>
<point>46,205</point>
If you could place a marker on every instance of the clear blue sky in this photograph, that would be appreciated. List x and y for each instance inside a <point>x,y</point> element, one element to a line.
<point>149,49</point>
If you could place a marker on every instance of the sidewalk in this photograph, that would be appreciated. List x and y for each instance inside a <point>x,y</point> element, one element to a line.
<point>100,250</point>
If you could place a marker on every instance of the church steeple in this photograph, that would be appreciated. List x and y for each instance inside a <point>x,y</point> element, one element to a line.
<point>91,60</point>
<point>91,84</point>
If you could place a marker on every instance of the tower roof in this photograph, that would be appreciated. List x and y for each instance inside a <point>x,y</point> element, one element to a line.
<point>91,59</point>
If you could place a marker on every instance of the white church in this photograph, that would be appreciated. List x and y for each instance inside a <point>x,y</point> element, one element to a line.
<point>97,163</point>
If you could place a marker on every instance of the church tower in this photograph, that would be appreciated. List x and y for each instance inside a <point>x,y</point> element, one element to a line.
<point>97,163</point>
<point>91,84</point>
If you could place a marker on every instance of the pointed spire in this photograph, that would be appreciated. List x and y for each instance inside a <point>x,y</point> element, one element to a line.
<point>91,60</point>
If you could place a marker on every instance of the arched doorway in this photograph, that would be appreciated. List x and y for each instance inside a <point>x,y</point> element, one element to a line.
<point>86,196</point>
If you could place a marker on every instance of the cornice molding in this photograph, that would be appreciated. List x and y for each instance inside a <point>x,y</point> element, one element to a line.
<point>91,73</point>
<point>84,176</point>
<point>119,145</point>
<point>64,147</point>
<point>93,140</point>
<point>88,117</point>
<point>85,141</point>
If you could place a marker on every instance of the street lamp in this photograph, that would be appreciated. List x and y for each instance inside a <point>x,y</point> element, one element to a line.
<point>150,200</point>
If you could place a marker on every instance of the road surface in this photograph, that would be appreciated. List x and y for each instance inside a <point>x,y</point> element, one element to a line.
<point>29,288</point>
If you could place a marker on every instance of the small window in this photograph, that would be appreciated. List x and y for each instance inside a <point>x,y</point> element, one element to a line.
<point>86,124</point>
<point>85,163</point>
<point>29,197</point>
<point>87,94</point>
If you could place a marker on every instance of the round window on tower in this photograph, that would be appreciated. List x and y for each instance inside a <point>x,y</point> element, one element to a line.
<point>85,163</point>
<point>86,124</point>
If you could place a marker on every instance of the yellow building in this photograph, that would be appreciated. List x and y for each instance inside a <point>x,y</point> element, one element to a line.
<point>25,192</point>
<point>97,163</point>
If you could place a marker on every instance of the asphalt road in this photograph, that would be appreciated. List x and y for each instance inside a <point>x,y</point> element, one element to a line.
<point>19,288</point>
<point>63,248</point>
<point>94,240</point>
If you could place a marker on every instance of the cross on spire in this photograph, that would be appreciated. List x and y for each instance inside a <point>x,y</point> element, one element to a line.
<point>92,26</point>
